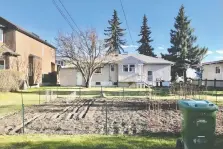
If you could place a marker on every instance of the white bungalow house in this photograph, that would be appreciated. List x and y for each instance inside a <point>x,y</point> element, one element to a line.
<point>129,70</point>
<point>212,71</point>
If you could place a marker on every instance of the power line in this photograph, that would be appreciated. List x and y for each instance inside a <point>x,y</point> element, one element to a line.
<point>63,15</point>
<point>69,15</point>
<point>126,22</point>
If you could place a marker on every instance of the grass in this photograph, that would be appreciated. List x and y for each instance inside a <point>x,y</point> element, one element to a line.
<point>91,142</point>
<point>11,102</point>
<point>85,142</point>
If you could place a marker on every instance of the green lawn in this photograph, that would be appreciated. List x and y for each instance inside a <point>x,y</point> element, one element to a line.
<point>85,142</point>
<point>90,142</point>
<point>10,102</point>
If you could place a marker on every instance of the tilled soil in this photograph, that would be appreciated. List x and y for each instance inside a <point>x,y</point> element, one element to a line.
<point>100,116</point>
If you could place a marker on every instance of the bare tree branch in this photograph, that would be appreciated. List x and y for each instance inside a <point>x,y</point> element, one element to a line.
<point>85,51</point>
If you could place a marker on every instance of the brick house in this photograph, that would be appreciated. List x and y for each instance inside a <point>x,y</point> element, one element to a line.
<point>25,52</point>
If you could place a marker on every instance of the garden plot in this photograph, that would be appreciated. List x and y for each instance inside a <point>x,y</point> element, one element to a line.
<point>99,116</point>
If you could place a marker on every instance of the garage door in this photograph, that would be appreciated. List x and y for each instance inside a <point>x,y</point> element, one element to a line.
<point>67,77</point>
<point>79,78</point>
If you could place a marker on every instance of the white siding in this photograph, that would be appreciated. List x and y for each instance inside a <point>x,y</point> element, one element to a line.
<point>210,74</point>
<point>128,76</point>
<point>106,77</point>
<point>159,71</point>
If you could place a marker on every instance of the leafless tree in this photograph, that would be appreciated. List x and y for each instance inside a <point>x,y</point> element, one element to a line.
<point>37,71</point>
<point>21,65</point>
<point>85,51</point>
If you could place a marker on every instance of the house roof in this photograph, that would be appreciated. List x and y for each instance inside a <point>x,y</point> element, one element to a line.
<point>213,62</point>
<point>32,35</point>
<point>5,50</point>
<point>145,59</point>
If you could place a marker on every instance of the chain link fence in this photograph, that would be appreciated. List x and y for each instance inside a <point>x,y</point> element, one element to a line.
<point>102,110</point>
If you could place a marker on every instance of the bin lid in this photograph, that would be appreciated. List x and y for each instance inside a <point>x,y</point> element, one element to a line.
<point>197,105</point>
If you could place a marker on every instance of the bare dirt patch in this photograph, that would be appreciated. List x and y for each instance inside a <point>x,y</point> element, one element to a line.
<point>88,116</point>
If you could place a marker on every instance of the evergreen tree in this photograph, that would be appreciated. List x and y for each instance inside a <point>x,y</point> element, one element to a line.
<point>114,41</point>
<point>183,50</point>
<point>145,47</point>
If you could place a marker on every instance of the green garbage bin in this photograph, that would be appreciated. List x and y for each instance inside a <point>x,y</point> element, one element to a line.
<point>198,124</point>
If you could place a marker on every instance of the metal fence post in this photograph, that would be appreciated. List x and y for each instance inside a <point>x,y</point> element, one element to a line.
<point>123,92</point>
<point>39,96</point>
<point>79,92</point>
<point>215,91</point>
<point>50,94</point>
<point>57,91</point>
<point>23,121</point>
<point>101,92</point>
<point>106,118</point>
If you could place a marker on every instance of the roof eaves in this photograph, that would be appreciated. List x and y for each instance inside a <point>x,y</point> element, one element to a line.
<point>28,33</point>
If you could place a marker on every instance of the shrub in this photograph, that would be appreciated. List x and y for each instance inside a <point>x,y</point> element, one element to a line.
<point>9,80</point>
<point>50,78</point>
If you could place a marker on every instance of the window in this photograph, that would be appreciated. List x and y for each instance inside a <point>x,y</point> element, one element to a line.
<point>98,70</point>
<point>129,68</point>
<point>132,68</point>
<point>150,76</point>
<point>125,68</point>
<point>2,64</point>
<point>61,63</point>
<point>217,70</point>
<point>98,83</point>
<point>115,83</point>
<point>1,35</point>
<point>112,67</point>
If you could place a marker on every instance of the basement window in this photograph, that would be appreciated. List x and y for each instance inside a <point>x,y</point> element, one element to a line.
<point>2,64</point>
<point>98,83</point>
<point>115,83</point>
<point>217,70</point>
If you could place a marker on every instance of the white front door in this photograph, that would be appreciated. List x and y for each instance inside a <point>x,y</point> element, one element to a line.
<point>79,78</point>
<point>140,72</point>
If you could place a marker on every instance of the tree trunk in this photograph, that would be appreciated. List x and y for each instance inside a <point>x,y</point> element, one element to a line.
<point>88,82</point>
<point>185,75</point>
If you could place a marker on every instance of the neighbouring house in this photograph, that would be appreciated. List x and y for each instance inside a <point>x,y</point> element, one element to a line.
<point>213,71</point>
<point>128,70</point>
<point>25,52</point>
<point>60,61</point>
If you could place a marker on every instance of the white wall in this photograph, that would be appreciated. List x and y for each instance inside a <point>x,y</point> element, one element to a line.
<point>128,76</point>
<point>106,77</point>
<point>161,71</point>
<point>210,74</point>
<point>67,77</point>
